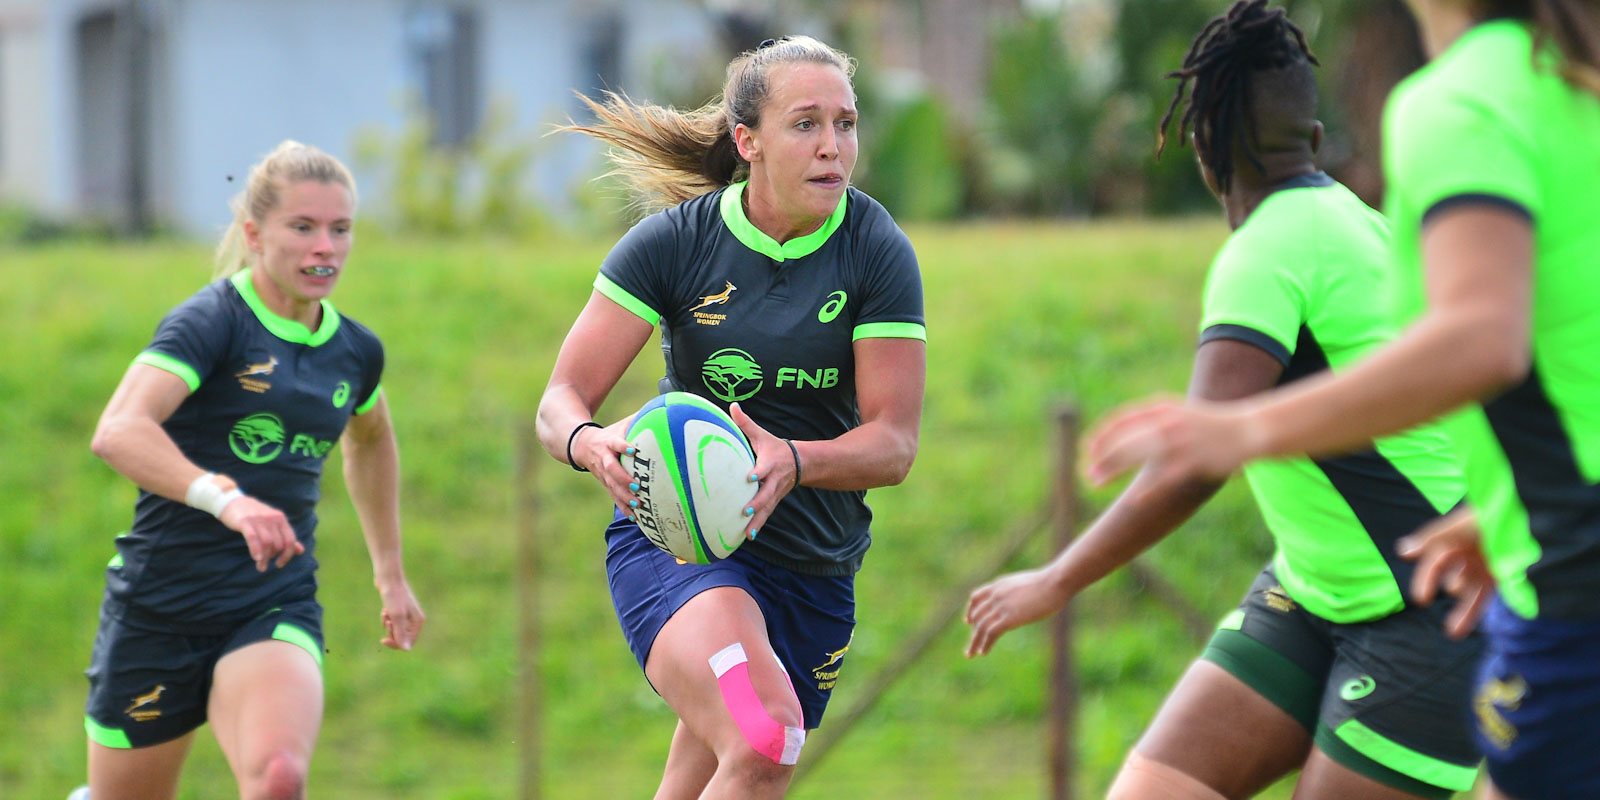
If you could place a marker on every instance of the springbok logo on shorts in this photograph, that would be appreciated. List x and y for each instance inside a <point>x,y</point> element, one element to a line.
<point>1278,599</point>
<point>826,678</point>
<point>731,374</point>
<point>257,439</point>
<point>1494,695</point>
<point>143,700</point>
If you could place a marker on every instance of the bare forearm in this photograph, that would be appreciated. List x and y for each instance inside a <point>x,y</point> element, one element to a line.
<point>140,450</point>
<point>372,475</point>
<point>1439,364</point>
<point>1135,522</point>
<point>560,411</point>
<point>873,455</point>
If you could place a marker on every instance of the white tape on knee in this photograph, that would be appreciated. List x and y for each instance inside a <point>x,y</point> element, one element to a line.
<point>767,736</point>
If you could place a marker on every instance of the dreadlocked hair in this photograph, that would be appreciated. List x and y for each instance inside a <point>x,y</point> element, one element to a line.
<point>1217,71</point>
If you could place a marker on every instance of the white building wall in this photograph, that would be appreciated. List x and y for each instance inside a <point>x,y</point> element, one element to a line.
<point>247,75</point>
<point>36,104</point>
<point>232,78</point>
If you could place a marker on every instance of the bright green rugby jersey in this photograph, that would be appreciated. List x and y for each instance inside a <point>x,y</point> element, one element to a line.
<point>1486,123</point>
<point>1304,279</point>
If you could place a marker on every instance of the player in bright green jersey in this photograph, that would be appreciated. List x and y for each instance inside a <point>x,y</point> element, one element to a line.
<point>1492,157</point>
<point>793,299</point>
<point>225,422</point>
<point>1325,667</point>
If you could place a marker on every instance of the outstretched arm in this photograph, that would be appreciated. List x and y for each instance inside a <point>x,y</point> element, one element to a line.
<point>372,475</point>
<point>1472,341</point>
<point>1224,369</point>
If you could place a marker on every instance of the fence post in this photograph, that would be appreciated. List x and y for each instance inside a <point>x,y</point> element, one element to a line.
<point>1063,689</point>
<point>530,703</point>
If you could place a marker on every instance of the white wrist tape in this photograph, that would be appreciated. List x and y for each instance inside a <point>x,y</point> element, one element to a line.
<point>206,495</point>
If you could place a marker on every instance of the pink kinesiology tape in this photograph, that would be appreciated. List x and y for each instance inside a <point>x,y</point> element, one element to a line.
<point>769,737</point>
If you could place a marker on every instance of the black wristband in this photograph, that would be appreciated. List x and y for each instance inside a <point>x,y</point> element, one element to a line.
<point>574,435</point>
<point>796,454</point>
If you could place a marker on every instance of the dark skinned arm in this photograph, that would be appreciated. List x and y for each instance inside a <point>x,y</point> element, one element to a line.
<point>1224,369</point>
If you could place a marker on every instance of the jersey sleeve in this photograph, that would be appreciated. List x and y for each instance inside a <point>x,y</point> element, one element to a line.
<point>892,284</point>
<point>1254,295</point>
<point>1447,146</point>
<point>191,340</point>
<point>371,375</point>
<point>638,272</point>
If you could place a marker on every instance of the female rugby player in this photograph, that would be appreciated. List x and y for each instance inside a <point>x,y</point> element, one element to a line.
<point>1324,668</point>
<point>794,300</point>
<point>1492,160</point>
<point>224,421</point>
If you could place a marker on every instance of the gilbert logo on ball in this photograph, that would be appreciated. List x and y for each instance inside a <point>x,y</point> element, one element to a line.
<point>692,465</point>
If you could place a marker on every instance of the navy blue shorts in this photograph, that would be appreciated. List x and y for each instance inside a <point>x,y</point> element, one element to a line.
<point>147,687</point>
<point>1537,705</point>
<point>809,619</point>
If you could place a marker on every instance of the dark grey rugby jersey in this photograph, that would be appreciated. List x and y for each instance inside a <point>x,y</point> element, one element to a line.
<point>772,326</point>
<point>269,398</point>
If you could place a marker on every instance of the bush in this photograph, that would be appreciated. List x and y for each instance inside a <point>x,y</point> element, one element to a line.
<point>477,187</point>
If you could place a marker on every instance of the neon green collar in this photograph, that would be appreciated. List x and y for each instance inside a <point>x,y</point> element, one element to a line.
<point>286,329</point>
<point>752,237</point>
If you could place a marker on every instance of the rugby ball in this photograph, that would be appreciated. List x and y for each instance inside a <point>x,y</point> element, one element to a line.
<point>693,467</point>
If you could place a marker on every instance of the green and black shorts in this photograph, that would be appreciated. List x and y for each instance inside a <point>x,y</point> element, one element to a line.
<point>1389,698</point>
<point>147,686</point>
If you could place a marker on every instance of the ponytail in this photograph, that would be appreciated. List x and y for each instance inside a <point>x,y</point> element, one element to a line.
<point>668,156</point>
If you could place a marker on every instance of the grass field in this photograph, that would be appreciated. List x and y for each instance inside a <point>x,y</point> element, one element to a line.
<point>1021,318</point>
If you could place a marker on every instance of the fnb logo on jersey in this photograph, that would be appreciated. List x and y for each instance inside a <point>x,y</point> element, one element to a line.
<point>802,378</point>
<point>259,438</point>
<point>733,375</point>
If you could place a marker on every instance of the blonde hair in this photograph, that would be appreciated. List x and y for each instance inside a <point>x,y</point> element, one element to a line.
<point>289,162</point>
<point>668,156</point>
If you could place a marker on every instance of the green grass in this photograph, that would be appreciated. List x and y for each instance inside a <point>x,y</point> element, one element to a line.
<point>1021,318</point>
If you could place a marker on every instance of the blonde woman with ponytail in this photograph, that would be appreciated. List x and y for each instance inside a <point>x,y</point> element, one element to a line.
<point>224,422</point>
<point>1492,166</point>
<point>793,300</point>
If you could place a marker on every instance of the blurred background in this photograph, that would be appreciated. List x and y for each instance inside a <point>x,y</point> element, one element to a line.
<point>1013,139</point>
<point>139,114</point>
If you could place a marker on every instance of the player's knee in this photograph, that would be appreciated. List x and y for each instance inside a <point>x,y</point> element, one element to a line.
<point>282,776</point>
<point>775,738</point>
<point>1144,779</point>
<point>753,767</point>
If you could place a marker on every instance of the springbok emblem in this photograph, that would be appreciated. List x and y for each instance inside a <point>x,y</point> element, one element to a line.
<point>719,297</point>
<point>1493,696</point>
<point>833,658</point>
<point>264,368</point>
<point>147,698</point>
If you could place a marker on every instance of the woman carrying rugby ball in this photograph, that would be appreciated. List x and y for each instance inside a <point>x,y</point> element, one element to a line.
<point>796,302</point>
